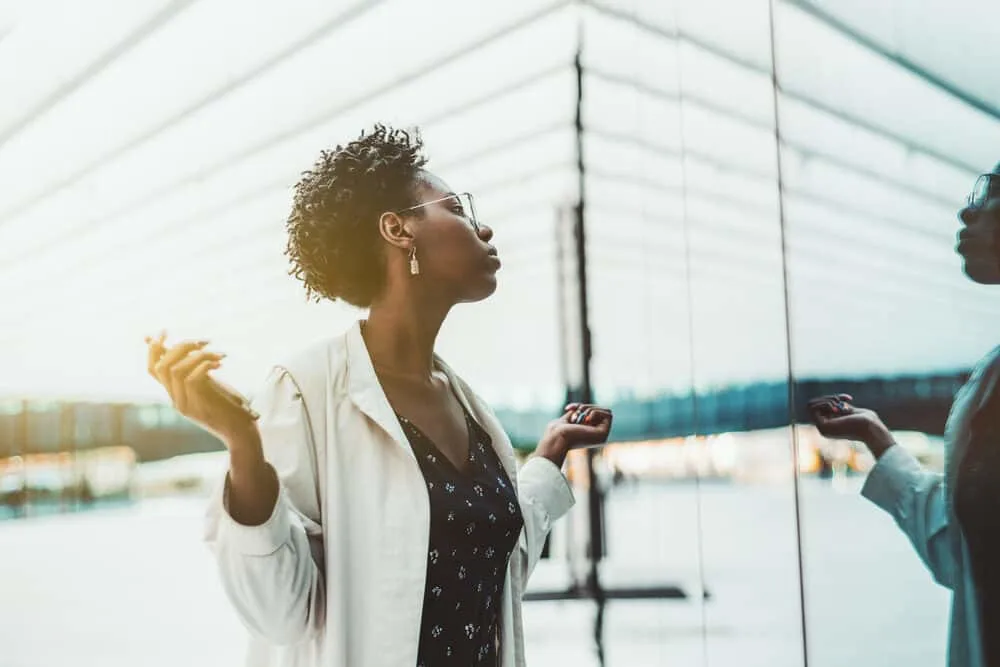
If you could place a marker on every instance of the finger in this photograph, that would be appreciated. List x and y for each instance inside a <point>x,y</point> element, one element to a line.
<point>580,435</point>
<point>825,417</point>
<point>179,373</point>
<point>832,425</point>
<point>825,425</point>
<point>153,355</point>
<point>598,417</point>
<point>181,350</point>
<point>593,415</point>
<point>173,355</point>
<point>825,405</point>
<point>186,366</point>
<point>821,413</point>
<point>199,375</point>
<point>825,399</point>
<point>574,410</point>
<point>831,406</point>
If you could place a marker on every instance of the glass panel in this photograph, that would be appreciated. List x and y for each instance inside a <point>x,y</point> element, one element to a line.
<point>886,120</point>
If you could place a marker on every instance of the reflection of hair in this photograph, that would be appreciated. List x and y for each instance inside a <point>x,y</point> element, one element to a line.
<point>333,238</point>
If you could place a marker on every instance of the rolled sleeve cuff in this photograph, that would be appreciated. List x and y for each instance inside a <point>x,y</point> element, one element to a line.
<point>547,486</point>
<point>894,474</point>
<point>261,540</point>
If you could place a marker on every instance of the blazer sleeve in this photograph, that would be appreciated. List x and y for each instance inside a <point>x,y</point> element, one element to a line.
<point>273,573</point>
<point>545,496</point>
<point>915,498</point>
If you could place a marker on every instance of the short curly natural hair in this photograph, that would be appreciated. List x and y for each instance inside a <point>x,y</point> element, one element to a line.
<point>333,238</point>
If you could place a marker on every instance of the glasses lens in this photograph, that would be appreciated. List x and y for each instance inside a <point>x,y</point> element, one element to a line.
<point>469,207</point>
<point>981,191</point>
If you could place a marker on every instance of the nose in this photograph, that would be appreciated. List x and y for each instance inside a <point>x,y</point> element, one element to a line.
<point>485,233</point>
<point>968,215</point>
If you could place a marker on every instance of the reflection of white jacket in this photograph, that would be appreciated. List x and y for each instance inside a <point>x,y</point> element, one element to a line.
<point>335,577</point>
<point>921,503</point>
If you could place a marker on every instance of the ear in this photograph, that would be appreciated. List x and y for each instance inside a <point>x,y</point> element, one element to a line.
<point>395,230</point>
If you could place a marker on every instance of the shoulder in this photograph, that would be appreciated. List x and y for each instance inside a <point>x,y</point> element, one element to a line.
<point>991,362</point>
<point>986,373</point>
<point>985,403</point>
<point>315,363</point>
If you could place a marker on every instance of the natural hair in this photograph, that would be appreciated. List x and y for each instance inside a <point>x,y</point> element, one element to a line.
<point>333,237</point>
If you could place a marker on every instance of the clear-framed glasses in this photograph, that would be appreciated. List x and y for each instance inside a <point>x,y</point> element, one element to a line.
<point>985,185</point>
<point>461,204</point>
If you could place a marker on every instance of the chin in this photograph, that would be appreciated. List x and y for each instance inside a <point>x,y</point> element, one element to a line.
<point>484,290</point>
<point>982,272</point>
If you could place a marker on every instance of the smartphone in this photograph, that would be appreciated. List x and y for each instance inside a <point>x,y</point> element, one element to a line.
<point>233,397</point>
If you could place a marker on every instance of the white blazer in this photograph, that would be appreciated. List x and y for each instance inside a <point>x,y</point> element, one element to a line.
<point>335,577</point>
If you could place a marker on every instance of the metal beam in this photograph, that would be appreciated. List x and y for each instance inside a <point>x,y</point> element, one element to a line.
<point>910,66</point>
<point>735,114</point>
<point>201,103</point>
<point>789,348</point>
<point>748,65</point>
<point>830,203</point>
<point>133,39</point>
<point>21,255</point>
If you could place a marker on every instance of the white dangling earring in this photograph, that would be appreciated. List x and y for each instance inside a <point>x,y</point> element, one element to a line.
<point>414,264</point>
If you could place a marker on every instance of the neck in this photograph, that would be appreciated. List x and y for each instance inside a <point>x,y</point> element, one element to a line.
<point>401,332</point>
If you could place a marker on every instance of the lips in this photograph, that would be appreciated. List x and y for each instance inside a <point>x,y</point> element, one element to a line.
<point>969,244</point>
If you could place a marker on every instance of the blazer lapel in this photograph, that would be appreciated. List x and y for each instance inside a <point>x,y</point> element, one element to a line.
<point>501,443</point>
<point>366,391</point>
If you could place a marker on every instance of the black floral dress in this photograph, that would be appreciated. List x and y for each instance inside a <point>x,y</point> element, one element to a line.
<point>475,525</point>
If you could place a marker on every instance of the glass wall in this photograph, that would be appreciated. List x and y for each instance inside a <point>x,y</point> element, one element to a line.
<point>883,133</point>
<point>767,194</point>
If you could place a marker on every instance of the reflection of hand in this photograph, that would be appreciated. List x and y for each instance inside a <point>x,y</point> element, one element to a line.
<point>183,370</point>
<point>581,425</point>
<point>836,417</point>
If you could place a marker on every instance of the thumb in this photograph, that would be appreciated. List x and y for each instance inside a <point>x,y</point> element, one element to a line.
<point>828,424</point>
<point>577,434</point>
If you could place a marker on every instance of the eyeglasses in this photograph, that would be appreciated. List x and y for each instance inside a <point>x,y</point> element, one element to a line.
<point>461,204</point>
<point>986,185</point>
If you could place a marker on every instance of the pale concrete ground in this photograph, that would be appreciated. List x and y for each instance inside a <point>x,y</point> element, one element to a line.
<point>135,586</point>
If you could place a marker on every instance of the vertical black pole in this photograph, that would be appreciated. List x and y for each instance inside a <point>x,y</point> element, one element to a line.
<point>22,437</point>
<point>585,391</point>
<point>68,494</point>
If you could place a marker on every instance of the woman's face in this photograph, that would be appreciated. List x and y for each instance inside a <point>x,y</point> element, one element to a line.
<point>455,258</point>
<point>979,239</point>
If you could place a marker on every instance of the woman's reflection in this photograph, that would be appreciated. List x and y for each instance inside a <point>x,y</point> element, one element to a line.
<point>952,519</point>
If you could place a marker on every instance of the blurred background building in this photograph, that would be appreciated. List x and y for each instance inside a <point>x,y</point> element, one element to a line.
<point>768,192</point>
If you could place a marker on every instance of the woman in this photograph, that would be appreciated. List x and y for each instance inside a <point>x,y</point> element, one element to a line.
<point>952,519</point>
<point>373,515</point>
